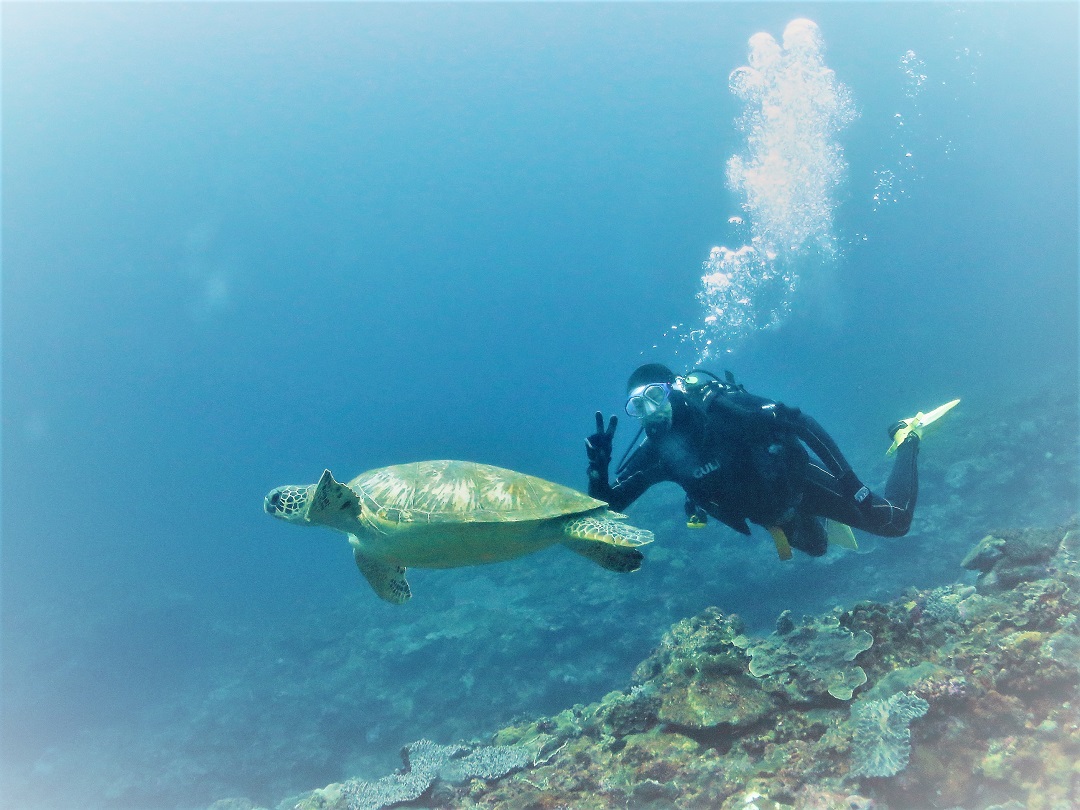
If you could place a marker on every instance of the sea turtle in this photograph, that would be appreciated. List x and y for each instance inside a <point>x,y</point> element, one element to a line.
<point>447,514</point>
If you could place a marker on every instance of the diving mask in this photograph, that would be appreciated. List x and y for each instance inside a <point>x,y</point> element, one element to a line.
<point>645,400</point>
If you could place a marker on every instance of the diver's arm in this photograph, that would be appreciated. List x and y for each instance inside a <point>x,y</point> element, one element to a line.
<point>641,470</point>
<point>628,488</point>
<point>598,449</point>
<point>639,473</point>
<point>599,487</point>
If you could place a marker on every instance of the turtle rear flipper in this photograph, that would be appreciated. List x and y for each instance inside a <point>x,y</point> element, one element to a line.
<point>387,580</point>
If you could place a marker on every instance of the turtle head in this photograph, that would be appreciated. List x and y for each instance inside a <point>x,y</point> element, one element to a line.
<point>327,503</point>
<point>289,503</point>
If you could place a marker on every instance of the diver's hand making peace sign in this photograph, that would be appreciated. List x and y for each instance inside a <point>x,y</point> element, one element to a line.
<point>598,445</point>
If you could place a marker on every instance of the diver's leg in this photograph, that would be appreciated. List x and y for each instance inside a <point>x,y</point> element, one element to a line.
<point>902,488</point>
<point>889,516</point>
<point>823,495</point>
<point>823,446</point>
<point>806,533</point>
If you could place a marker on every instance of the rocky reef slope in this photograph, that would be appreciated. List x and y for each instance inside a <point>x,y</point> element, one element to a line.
<point>962,696</point>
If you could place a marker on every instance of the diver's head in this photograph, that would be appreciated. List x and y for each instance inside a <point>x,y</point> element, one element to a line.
<point>648,397</point>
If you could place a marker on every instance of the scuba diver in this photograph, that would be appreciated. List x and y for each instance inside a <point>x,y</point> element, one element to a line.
<point>742,458</point>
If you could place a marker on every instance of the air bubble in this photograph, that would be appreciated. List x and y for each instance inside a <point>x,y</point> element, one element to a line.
<point>793,109</point>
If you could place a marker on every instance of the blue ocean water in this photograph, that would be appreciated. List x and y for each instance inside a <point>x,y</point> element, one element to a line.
<point>246,242</point>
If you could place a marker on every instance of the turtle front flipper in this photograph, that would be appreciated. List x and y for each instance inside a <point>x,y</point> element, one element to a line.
<point>606,539</point>
<point>605,526</point>
<point>620,559</point>
<point>334,505</point>
<point>387,580</point>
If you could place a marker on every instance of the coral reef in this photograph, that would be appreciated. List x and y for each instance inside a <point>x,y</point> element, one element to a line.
<point>805,660</point>
<point>699,676</point>
<point>967,698</point>
<point>881,741</point>
<point>425,762</point>
<point>1008,557</point>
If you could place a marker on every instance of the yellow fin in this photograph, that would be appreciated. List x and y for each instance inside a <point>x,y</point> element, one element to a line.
<point>840,534</point>
<point>917,422</point>
<point>783,548</point>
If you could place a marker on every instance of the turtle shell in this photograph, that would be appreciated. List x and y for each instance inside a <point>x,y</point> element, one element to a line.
<point>464,492</point>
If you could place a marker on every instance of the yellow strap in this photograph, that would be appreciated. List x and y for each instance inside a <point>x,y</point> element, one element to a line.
<point>783,548</point>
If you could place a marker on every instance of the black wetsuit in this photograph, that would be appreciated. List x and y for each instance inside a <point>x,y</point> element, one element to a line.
<point>744,458</point>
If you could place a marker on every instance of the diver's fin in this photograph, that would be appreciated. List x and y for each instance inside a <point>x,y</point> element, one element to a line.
<point>621,559</point>
<point>387,580</point>
<point>783,547</point>
<point>334,505</point>
<point>917,423</point>
<point>840,534</point>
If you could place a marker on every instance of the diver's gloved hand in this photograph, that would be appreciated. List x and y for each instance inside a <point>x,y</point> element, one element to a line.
<point>598,447</point>
<point>696,516</point>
